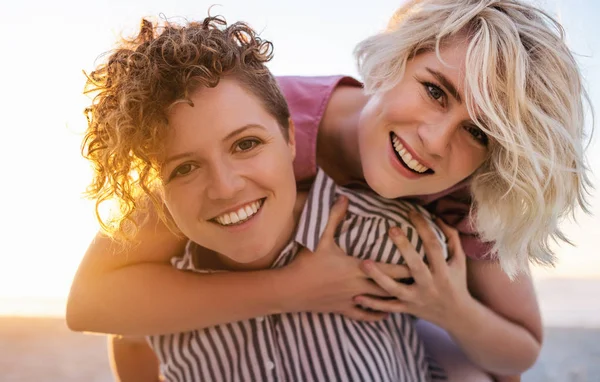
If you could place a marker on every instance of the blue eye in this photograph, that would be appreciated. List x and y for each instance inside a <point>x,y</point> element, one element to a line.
<point>434,91</point>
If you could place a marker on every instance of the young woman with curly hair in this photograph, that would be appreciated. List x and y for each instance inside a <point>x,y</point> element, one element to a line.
<point>472,108</point>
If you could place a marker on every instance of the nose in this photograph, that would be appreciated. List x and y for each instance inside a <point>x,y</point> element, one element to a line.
<point>224,182</point>
<point>437,135</point>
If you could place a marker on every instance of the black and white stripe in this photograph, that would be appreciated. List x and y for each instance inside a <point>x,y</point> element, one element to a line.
<point>311,346</point>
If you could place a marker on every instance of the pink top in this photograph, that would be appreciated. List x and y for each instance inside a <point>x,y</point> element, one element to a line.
<point>307,98</point>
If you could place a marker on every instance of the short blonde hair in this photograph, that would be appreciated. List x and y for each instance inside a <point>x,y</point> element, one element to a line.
<point>527,88</point>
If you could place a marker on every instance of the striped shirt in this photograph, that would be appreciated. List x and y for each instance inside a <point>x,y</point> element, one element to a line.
<point>311,346</point>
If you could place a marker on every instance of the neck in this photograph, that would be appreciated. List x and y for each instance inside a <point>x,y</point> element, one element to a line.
<point>337,140</point>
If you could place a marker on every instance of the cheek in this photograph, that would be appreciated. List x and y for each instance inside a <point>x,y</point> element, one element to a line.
<point>470,160</point>
<point>369,116</point>
<point>402,103</point>
<point>272,170</point>
<point>180,204</point>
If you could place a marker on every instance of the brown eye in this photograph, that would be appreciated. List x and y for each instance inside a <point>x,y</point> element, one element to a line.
<point>183,170</point>
<point>246,145</point>
<point>478,134</point>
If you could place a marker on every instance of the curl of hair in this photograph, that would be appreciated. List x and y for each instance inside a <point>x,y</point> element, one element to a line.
<point>133,91</point>
<point>527,89</point>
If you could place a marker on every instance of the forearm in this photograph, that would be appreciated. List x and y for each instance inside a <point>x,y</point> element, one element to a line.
<point>156,298</point>
<point>494,343</point>
<point>132,360</point>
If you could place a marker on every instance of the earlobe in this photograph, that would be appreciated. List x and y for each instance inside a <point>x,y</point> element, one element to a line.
<point>292,138</point>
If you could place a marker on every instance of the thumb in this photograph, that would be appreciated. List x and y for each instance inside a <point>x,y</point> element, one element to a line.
<point>454,243</point>
<point>336,215</point>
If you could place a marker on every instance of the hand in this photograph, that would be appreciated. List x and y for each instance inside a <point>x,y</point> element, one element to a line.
<point>439,290</point>
<point>328,279</point>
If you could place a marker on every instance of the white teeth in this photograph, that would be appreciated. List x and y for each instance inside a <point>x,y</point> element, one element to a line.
<point>243,213</point>
<point>406,157</point>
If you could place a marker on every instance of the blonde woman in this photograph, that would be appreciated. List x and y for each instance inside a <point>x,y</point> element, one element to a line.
<point>472,108</point>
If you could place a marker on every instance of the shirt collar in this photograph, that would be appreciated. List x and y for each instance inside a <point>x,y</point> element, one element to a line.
<point>315,213</point>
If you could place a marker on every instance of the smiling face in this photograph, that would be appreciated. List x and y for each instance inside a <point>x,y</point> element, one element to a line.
<point>228,176</point>
<point>418,138</point>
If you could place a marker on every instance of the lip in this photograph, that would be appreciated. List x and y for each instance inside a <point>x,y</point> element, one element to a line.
<point>412,152</point>
<point>400,167</point>
<point>395,161</point>
<point>235,228</point>
<point>236,208</point>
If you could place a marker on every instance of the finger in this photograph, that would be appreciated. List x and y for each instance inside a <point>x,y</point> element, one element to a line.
<point>418,269</point>
<point>372,289</point>
<point>387,283</point>
<point>435,252</point>
<point>336,215</point>
<point>360,314</point>
<point>454,243</point>
<point>395,271</point>
<point>388,306</point>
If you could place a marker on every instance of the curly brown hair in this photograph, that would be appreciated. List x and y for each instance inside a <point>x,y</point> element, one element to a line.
<point>134,90</point>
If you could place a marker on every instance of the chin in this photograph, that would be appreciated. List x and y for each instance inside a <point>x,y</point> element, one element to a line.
<point>247,254</point>
<point>245,259</point>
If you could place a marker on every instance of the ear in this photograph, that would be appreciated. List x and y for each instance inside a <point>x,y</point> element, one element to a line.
<point>292,138</point>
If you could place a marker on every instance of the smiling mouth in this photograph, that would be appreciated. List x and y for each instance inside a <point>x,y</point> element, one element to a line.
<point>406,159</point>
<point>241,215</point>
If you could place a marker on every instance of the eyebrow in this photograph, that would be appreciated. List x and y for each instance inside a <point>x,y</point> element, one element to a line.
<point>446,83</point>
<point>232,134</point>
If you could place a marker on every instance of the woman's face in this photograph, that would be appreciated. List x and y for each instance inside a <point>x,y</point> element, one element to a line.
<point>228,175</point>
<point>418,138</point>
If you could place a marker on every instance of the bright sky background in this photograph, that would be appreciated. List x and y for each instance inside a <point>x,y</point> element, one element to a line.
<point>46,45</point>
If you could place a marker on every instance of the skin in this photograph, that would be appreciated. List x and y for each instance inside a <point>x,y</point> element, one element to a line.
<point>432,123</point>
<point>460,296</point>
<point>132,360</point>
<point>212,166</point>
<point>223,153</point>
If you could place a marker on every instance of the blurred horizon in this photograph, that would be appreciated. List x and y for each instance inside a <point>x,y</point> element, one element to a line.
<point>48,46</point>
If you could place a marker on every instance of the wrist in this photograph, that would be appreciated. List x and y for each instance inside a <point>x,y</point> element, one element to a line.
<point>463,315</point>
<point>285,296</point>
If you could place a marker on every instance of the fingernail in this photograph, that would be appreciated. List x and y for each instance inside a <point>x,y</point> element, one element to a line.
<point>368,265</point>
<point>341,199</point>
<point>395,231</point>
